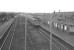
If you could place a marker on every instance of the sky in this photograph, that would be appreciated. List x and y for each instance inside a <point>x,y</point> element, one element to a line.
<point>36,6</point>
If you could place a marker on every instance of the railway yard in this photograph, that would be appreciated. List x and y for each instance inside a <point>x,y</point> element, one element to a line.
<point>21,33</point>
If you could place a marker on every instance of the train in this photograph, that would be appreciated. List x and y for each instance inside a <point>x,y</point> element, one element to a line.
<point>34,21</point>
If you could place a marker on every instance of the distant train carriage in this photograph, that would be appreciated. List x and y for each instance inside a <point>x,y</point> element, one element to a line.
<point>34,21</point>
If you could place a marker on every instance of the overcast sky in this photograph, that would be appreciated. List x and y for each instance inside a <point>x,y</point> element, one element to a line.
<point>36,6</point>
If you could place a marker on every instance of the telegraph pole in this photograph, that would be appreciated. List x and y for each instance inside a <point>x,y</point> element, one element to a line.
<point>25,31</point>
<point>51,32</point>
<point>50,39</point>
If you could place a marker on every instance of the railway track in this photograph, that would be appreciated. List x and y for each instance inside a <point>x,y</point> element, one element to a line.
<point>36,39</point>
<point>55,43</point>
<point>29,37</point>
<point>18,40</point>
<point>15,38</point>
<point>62,44</point>
<point>6,44</point>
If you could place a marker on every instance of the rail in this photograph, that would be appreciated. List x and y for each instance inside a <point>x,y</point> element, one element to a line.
<point>62,43</point>
<point>5,34</point>
<point>58,40</point>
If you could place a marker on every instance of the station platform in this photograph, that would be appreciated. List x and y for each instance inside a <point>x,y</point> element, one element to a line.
<point>62,35</point>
